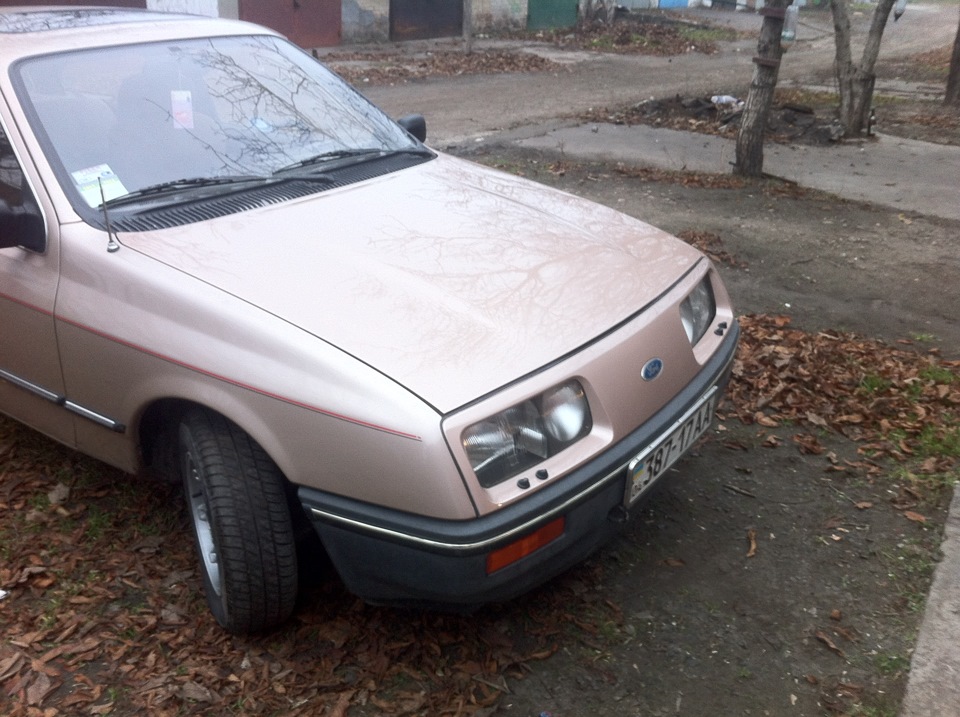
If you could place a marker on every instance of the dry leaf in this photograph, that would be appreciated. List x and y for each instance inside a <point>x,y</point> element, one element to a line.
<point>342,704</point>
<point>765,420</point>
<point>825,639</point>
<point>39,689</point>
<point>752,538</point>
<point>915,517</point>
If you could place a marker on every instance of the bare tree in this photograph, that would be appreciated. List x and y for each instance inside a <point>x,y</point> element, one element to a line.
<point>757,107</point>
<point>952,96</point>
<point>595,11</point>
<point>855,81</point>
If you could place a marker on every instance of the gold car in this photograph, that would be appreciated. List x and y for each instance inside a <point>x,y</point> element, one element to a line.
<point>219,261</point>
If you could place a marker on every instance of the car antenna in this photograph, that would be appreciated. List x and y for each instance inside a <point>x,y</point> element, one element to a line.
<point>112,243</point>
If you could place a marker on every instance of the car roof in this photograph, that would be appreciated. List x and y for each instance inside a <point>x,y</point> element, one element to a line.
<point>36,30</point>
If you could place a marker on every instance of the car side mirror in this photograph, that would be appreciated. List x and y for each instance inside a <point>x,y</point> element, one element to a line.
<point>416,125</point>
<point>21,227</point>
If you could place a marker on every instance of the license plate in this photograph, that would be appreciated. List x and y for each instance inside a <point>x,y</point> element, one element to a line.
<point>644,470</point>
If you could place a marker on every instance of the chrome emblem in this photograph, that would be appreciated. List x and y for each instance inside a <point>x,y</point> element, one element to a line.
<point>652,369</point>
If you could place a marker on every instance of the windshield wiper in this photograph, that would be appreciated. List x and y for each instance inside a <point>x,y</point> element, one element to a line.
<point>327,157</point>
<point>178,185</point>
<point>349,154</point>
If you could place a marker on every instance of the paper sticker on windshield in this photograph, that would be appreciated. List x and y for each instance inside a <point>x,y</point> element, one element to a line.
<point>90,180</point>
<point>181,107</point>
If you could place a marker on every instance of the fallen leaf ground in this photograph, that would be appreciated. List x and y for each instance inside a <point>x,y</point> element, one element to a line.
<point>101,610</point>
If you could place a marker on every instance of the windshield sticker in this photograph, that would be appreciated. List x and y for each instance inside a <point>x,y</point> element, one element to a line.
<point>181,107</point>
<point>89,181</point>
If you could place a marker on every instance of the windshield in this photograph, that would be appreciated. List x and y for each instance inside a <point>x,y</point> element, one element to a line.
<point>121,119</point>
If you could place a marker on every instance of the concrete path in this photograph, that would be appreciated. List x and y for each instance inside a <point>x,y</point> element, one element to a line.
<point>900,173</point>
<point>934,686</point>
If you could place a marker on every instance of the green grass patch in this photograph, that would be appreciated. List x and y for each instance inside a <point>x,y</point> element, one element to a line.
<point>708,34</point>
<point>873,384</point>
<point>939,374</point>
<point>940,441</point>
<point>891,664</point>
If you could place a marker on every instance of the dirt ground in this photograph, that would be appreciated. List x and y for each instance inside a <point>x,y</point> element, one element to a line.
<point>822,620</point>
<point>819,622</point>
<point>763,578</point>
<point>699,628</point>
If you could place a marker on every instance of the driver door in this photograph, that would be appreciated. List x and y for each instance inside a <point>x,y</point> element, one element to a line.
<point>31,382</point>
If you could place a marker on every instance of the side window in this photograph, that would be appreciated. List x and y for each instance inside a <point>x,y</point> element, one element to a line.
<point>11,176</point>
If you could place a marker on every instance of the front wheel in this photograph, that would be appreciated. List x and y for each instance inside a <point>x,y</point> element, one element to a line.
<point>241,521</point>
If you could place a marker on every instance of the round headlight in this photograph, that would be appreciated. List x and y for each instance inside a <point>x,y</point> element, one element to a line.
<point>565,412</point>
<point>487,441</point>
<point>697,311</point>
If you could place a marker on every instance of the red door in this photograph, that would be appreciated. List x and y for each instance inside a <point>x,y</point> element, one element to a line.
<point>309,23</point>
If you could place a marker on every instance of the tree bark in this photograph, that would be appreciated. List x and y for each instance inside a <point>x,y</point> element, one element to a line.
<point>757,107</point>
<point>468,26</point>
<point>594,11</point>
<point>952,96</point>
<point>855,81</point>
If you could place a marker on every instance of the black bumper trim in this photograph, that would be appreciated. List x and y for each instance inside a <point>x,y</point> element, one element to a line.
<point>479,535</point>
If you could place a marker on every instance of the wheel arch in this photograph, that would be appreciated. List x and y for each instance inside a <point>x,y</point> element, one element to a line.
<point>158,424</point>
<point>158,439</point>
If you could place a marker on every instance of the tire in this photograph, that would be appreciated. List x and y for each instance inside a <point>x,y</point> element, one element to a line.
<point>237,500</point>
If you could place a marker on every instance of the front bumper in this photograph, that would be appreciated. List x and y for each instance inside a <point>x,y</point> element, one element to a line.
<point>388,556</point>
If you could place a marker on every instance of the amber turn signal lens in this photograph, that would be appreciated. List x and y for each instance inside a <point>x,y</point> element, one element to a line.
<point>510,554</point>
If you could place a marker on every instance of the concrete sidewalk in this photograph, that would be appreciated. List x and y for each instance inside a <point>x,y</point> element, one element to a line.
<point>933,689</point>
<point>900,173</point>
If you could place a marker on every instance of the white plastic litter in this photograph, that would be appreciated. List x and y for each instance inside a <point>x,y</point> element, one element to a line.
<point>724,100</point>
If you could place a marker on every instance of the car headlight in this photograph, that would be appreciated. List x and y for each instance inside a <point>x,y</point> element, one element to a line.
<point>697,311</point>
<point>523,435</point>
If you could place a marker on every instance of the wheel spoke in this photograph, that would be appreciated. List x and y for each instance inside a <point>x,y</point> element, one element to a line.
<point>200,514</point>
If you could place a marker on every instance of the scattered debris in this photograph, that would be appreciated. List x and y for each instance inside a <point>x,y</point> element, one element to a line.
<point>788,121</point>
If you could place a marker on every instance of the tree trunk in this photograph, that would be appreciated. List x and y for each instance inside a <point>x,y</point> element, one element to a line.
<point>855,81</point>
<point>468,26</point>
<point>953,79</point>
<point>594,11</point>
<point>754,121</point>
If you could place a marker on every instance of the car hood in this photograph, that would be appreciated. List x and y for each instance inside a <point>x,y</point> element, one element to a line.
<point>450,278</point>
